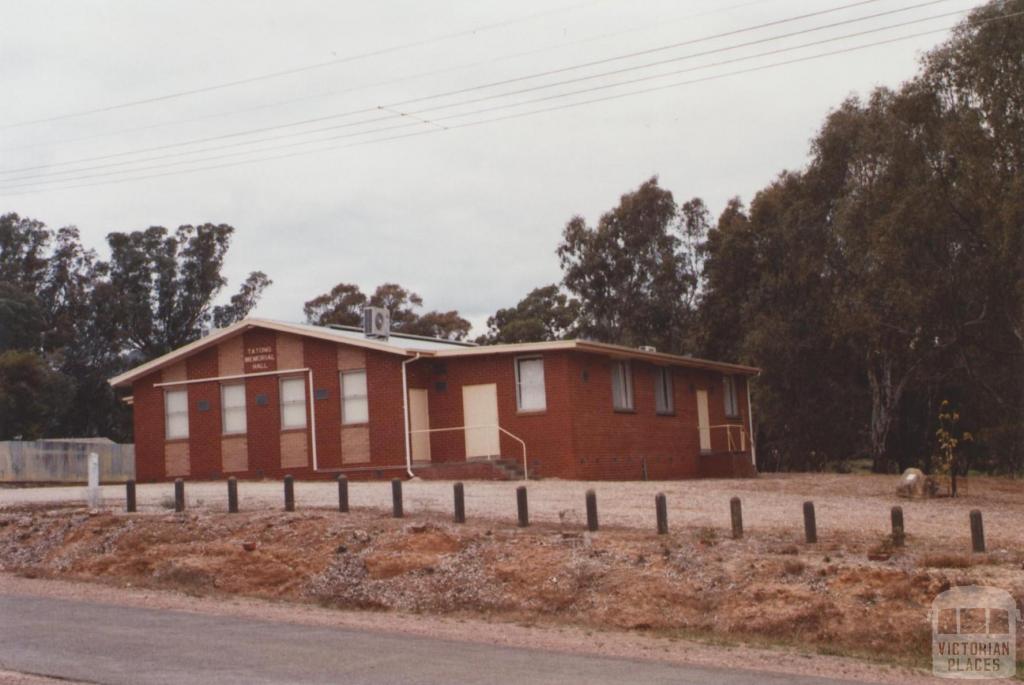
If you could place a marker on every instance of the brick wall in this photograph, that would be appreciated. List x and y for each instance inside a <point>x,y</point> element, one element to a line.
<point>547,433</point>
<point>148,419</point>
<point>204,417</point>
<point>578,435</point>
<point>610,444</point>
<point>262,411</point>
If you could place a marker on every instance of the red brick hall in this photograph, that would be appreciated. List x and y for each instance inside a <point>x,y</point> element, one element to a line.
<point>264,398</point>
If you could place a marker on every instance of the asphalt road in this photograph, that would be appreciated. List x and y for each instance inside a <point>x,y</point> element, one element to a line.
<point>106,643</point>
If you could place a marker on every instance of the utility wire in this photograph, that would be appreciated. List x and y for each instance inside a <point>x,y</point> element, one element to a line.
<point>400,104</point>
<point>517,115</point>
<point>296,70</point>
<point>378,84</point>
<point>435,120</point>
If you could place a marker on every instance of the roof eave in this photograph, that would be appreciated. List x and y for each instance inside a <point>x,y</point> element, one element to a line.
<point>171,357</point>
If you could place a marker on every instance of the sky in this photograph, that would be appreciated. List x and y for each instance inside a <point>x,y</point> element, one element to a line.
<point>401,141</point>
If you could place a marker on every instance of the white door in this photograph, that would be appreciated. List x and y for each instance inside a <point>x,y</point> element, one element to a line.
<point>703,422</point>
<point>480,408</point>
<point>419,419</point>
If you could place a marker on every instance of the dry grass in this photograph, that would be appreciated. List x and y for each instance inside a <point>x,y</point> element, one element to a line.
<point>941,560</point>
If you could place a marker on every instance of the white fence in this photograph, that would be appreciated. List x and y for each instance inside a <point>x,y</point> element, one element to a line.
<point>64,461</point>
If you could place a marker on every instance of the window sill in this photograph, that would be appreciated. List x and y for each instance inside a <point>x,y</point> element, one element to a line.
<point>234,435</point>
<point>172,440</point>
<point>297,429</point>
<point>734,417</point>
<point>531,412</point>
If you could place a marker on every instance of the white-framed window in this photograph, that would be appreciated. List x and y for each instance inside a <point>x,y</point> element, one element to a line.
<point>232,408</point>
<point>664,402</point>
<point>530,394</point>
<point>622,385</point>
<point>293,402</point>
<point>732,407</point>
<point>176,414</point>
<point>355,408</point>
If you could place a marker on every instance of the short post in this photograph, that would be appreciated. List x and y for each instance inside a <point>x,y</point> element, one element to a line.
<point>232,495</point>
<point>810,525</point>
<point>977,532</point>
<point>591,511</point>
<point>92,494</point>
<point>898,534</point>
<point>289,493</point>
<point>521,507</point>
<point>460,502</point>
<point>129,497</point>
<point>179,495</point>
<point>396,498</point>
<point>643,467</point>
<point>736,512</point>
<point>661,511</point>
<point>342,492</point>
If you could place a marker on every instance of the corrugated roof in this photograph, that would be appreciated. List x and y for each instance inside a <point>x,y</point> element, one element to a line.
<point>432,347</point>
<point>415,343</point>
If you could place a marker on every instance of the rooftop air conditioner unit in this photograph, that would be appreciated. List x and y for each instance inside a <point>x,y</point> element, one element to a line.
<point>376,322</point>
<point>648,348</point>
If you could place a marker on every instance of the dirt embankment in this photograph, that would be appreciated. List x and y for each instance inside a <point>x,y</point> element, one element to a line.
<point>765,589</point>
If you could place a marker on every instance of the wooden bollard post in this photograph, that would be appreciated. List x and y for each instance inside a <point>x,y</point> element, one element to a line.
<point>898,533</point>
<point>521,507</point>
<point>179,495</point>
<point>396,498</point>
<point>129,496</point>
<point>810,525</point>
<point>977,531</point>
<point>232,495</point>
<point>736,513</point>
<point>460,503</point>
<point>342,492</point>
<point>591,511</point>
<point>661,512</point>
<point>289,493</point>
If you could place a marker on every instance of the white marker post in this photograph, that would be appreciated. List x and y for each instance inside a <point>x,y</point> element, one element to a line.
<point>92,493</point>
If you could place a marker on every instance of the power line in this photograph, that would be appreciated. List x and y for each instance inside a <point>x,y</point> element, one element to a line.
<point>377,84</point>
<point>436,120</point>
<point>525,114</point>
<point>399,104</point>
<point>295,70</point>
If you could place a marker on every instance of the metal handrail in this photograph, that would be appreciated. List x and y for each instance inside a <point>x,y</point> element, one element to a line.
<point>728,432</point>
<point>526,471</point>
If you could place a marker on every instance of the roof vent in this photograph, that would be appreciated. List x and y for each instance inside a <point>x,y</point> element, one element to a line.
<point>648,348</point>
<point>376,323</point>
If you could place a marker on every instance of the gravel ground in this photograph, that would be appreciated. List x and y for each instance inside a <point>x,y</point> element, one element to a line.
<point>849,504</point>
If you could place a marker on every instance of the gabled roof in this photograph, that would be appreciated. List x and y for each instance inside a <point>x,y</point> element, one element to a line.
<point>417,345</point>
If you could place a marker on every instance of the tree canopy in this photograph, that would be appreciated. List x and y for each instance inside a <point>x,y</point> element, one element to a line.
<point>344,304</point>
<point>69,321</point>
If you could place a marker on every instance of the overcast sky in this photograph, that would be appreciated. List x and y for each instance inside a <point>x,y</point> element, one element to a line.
<point>468,217</point>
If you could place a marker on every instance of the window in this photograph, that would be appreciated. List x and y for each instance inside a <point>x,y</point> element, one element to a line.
<point>530,394</point>
<point>232,408</point>
<point>176,414</point>
<point>354,406</point>
<point>663,399</point>
<point>622,386</point>
<point>293,403</point>
<point>732,407</point>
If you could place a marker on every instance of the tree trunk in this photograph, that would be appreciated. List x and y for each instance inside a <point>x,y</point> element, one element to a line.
<point>885,399</point>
